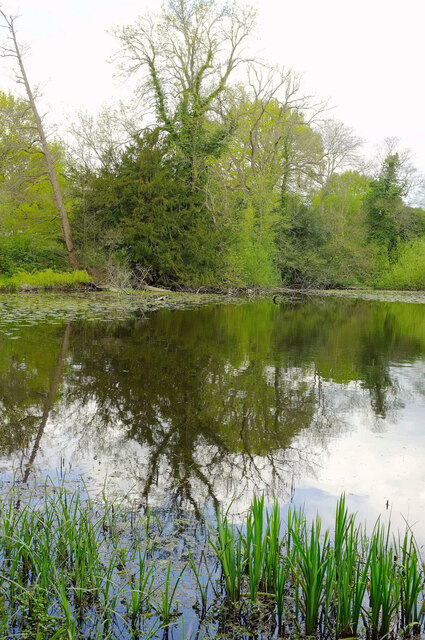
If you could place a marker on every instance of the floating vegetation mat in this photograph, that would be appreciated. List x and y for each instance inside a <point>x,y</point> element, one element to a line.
<point>17,310</point>
<point>378,295</point>
<point>73,567</point>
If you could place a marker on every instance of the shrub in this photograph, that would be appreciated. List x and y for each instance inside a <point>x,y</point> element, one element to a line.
<point>409,270</point>
<point>21,253</point>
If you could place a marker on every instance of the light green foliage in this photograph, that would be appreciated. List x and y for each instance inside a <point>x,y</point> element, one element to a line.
<point>409,270</point>
<point>266,153</point>
<point>384,204</point>
<point>44,279</point>
<point>30,231</point>
<point>346,252</point>
<point>234,185</point>
<point>328,242</point>
<point>251,260</point>
<point>237,185</point>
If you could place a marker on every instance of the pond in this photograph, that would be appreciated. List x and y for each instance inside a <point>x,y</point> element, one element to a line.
<point>188,409</point>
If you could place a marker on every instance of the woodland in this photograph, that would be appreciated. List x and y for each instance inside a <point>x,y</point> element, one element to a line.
<point>220,170</point>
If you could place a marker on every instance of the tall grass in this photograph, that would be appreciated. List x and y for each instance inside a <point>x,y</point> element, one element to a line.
<point>256,546</point>
<point>342,584</point>
<point>313,566</point>
<point>228,548</point>
<point>384,588</point>
<point>65,572</point>
<point>47,279</point>
<point>71,568</point>
<point>410,580</point>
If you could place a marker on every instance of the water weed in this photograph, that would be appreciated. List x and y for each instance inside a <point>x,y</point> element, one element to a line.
<point>310,571</point>
<point>227,545</point>
<point>410,582</point>
<point>73,568</point>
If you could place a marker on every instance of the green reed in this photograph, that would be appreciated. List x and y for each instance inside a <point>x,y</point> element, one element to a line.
<point>383,584</point>
<point>141,587</point>
<point>202,582</point>
<point>410,581</point>
<point>255,547</point>
<point>227,546</point>
<point>310,572</point>
<point>73,568</point>
<point>351,572</point>
<point>272,562</point>
<point>164,607</point>
<point>339,586</point>
<point>65,572</point>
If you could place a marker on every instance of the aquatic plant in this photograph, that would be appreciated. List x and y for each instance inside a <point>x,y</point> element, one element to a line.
<point>410,583</point>
<point>164,607</point>
<point>310,570</point>
<point>255,547</point>
<point>71,567</point>
<point>228,548</point>
<point>201,582</point>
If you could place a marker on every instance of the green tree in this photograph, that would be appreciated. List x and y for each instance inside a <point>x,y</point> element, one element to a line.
<point>30,231</point>
<point>268,156</point>
<point>138,206</point>
<point>13,49</point>
<point>187,56</point>
<point>384,203</point>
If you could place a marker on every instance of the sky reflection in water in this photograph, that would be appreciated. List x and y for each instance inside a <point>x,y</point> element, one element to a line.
<point>198,408</point>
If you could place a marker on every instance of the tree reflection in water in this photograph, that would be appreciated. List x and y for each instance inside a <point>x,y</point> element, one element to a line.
<point>190,408</point>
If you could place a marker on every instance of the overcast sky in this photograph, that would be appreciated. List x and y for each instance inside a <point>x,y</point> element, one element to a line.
<point>366,56</point>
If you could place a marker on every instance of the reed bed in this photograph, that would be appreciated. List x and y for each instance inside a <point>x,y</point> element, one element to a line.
<point>339,583</point>
<point>72,568</point>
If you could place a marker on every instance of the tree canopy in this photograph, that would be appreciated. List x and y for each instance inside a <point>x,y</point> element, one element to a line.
<point>226,172</point>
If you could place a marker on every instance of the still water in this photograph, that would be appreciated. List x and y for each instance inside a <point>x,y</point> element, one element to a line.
<point>194,408</point>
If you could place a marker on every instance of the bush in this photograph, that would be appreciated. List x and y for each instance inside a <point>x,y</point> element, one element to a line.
<point>409,270</point>
<point>21,253</point>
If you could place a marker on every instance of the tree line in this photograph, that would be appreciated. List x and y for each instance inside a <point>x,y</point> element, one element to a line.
<point>223,173</point>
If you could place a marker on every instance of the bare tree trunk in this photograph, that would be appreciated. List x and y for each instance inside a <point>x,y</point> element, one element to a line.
<point>66,229</point>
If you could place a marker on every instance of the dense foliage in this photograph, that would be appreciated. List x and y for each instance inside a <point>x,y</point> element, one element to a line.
<point>30,232</point>
<point>231,184</point>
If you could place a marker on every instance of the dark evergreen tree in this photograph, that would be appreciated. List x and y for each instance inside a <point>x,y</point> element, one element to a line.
<point>143,207</point>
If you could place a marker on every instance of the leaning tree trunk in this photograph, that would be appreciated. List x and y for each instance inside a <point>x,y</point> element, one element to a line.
<point>66,229</point>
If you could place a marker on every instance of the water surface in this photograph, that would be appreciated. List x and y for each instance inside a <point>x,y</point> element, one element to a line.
<point>194,408</point>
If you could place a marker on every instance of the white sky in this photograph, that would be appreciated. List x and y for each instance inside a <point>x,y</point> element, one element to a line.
<point>366,56</point>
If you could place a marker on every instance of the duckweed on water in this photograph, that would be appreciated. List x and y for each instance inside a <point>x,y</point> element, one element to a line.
<point>71,567</point>
<point>17,310</point>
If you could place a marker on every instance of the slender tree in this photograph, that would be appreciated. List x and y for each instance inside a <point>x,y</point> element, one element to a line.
<point>340,151</point>
<point>13,49</point>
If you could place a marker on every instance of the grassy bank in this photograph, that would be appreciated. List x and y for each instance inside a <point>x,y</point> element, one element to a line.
<point>47,279</point>
<point>75,568</point>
